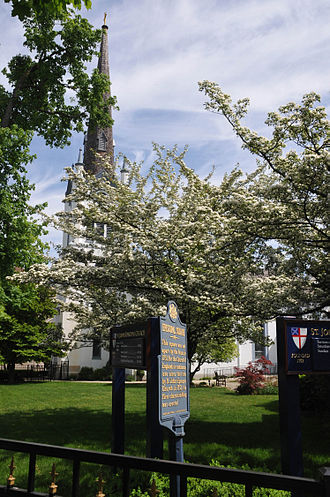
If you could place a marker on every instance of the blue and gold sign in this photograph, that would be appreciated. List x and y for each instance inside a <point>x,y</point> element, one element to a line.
<point>173,371</point>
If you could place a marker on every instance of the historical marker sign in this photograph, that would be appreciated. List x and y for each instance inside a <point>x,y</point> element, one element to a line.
<point>307,346</point>
<point>128,346</point>
<point>173,372</point>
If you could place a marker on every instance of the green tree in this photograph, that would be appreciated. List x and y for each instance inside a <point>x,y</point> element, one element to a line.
<point>284,202</point>
<point>214,347</point>
<point>40,82</point>
<point>36,101</point>
<point>26,332</point>
<point>56,8</point>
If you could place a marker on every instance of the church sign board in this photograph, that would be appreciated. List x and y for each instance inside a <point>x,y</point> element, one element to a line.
<point>303,347</point>
<point>173,372</point>
<point>307,345</point>
<point>128,346</point>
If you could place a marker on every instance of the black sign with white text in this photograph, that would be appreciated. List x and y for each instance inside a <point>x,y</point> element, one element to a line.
<point>128,347</point>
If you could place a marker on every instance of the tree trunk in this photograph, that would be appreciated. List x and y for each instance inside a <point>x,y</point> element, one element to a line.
<point>192,373</point>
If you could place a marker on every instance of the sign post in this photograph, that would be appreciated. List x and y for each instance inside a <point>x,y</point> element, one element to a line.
<point>155,435</point>
<point>303,347</point>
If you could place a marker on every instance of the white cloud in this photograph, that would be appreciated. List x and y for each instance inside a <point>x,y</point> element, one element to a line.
<point>272,51</point>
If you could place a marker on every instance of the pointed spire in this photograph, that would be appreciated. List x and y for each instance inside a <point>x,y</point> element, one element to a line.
<point>80,157</point>
<point>100,140</point>
<point>124,172</point>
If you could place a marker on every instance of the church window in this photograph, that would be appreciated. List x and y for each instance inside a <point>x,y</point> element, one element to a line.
<point>99,228</point>
<point>259,350</point>
<point>102,142</point>
<point>97,347</point>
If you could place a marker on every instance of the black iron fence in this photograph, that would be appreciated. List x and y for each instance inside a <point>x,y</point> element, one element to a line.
<point>250,479</point>
<point>37,372</point>
<point>59,370</point>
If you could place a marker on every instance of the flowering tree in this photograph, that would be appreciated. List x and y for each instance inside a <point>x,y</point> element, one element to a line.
<point>285,201</point>
<point>165,235</point>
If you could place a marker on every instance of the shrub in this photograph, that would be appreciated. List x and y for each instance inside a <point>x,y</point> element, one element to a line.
<point>91,374</point>
<point>102,374</point>
<point>268,389</point>
<point>251,378</point>
<point>139,374</point>
<point>85,374</point>
<point>205,488</point>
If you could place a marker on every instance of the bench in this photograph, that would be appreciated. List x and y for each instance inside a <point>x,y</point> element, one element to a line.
<point>220,379</point>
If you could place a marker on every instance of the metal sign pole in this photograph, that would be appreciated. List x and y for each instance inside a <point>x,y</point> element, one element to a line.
<point>176,454</point>
<point>289,409</point>
<point>154,429</point>
<point>118,410</point>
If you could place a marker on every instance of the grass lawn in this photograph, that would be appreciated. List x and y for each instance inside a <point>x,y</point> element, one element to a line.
<point>234,430</point>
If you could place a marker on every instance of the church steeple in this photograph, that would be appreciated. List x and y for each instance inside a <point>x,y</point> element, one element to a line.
<point>100,140</point>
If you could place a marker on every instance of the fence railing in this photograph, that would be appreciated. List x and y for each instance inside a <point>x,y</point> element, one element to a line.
<point>250,479</point>
<point>38,372</point>
<point>230,371</point>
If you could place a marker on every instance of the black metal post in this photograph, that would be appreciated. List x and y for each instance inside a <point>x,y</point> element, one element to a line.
<point>154,429</point>
<point>325,478</point>
<point>175,443</point>
<point>32,471</point>
<point>118,410</point>
<point>75,478</point>
<point>289,410</point>
<point>176,454</point>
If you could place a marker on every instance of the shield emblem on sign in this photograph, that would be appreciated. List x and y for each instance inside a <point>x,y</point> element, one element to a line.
<point>299,336</point>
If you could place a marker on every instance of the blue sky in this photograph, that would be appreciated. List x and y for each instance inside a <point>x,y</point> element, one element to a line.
<point>272,51</point>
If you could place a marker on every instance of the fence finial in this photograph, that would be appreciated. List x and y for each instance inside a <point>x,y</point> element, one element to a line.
<point>11,478</point>
<point>100,482</point>
<point>53,486</point>
<point>153,490</point>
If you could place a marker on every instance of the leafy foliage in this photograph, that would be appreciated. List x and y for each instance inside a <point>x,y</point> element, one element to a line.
<point>91,374</point>
<point>20,232</point>
<point>56,8</point>
<point>251,378</point>
<point>196,487</point>
<point>315,392</point>
<point>41,81</point>
<point>212,349</point>
<point>284,202</point>
<point>26,332</point>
